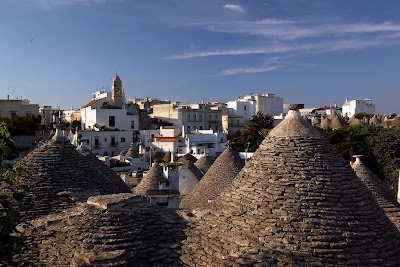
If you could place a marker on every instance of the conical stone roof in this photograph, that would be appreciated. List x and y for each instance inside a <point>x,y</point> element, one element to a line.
<point>167,157</point>
<point>150,181</point>
<point>204,163</point>
<point>123,153</point>
<point>217,179</point>
<point>59,174</point>
<point>187,157</point>
<point>374,120</point>
<point>354,121</point>
<point>384,196</point>
<point>108,230</point>
<point>396,121</point>
<point>133,151</point>
<point>298,202</point>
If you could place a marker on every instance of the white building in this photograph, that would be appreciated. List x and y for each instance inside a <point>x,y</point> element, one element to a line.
<point>350,108</point>
<point>110,112</point>
<point>104,143</point>
<point>170,139</point>
<point>108,124</point>
<point>190,118</point>
<point>251,104</point>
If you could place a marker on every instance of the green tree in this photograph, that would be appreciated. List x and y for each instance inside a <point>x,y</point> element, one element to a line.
<point>380,147</point>
<point>9,201</point>
<point>75,124</point>
<point>360,115</point>
<point>256,130</point>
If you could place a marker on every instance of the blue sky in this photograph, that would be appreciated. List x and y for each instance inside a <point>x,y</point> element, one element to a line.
<point>57,52</point>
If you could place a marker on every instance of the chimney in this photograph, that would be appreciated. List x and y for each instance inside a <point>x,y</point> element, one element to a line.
<point>8,97</point>
<point>347,99</point>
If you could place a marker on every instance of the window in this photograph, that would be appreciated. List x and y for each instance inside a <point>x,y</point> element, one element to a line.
<point>111,121</point>
<point>96,142</point>
<point>209,116</point>
<point>105,153</point>
<point>13,113</point>
<point>232,122</point>
<point>105,139</point>
<point>200,117</point>
<point>112,141</point>
<point>216,117</point>
<point>132,124</point>
<point>167,183</point>
<point>201,127</point>
<point>188,129</point>
<point>194,116</point>
<point>122,139</point>
<point>237,122</point>
<point>245,108</point>
<point>112,154</point>
<point>188,117</point>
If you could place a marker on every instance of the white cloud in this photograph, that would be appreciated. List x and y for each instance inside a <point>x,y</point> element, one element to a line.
<point>246,70</point>
<point>320,47</point>
<point>236,8</point>
<point>51,4</point>
<point>287,29</point>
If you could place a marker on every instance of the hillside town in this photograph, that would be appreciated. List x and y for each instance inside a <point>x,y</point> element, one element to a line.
<point>148,182</point>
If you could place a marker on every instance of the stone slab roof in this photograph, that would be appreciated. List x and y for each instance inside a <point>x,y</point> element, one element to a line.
<point>58,175</point>
<point>218,178</point>
<point>133,151</point>
<point>187,164</point>
<point>167,157</point>
<point>108,230</point>
<point>187,157</point>
<point>384,196</point>
<point>204,163</point>
<point>150,181</point>
<point>296,202</point>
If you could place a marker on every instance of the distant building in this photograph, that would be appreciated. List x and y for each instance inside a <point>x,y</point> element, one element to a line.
<point>109,110</point>
<point>241,110</point>
<point>108,123</point>
<point>355,106</point>
<point>17,107</point>
<point>190,118</point>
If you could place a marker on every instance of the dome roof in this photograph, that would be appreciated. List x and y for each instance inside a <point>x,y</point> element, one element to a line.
<point>204,163</point>
<point>150,181</point>
<point>187,157</point>
<point>58,174</point>
<point>108,230</point>
<point>384,196</point>
<point>297,201</point>
<point>217,179</point>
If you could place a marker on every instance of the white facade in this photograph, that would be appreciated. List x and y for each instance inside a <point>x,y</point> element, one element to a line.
<point>110,112</point>
<point>251,104</point>
<point>181,179</point>
<point>190,118</point>
<point>93,118</point>
<point>350,108</point>
<point>104,143</point>
<point>205,142</point>
<point>169,139</point>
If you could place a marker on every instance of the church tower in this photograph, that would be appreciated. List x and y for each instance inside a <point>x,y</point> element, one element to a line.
<point>116,92</point>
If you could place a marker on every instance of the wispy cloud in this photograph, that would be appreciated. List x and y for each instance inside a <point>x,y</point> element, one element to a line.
<point>324,46</point>
<point>286,29</point>
<point>247,70</point>
<point>51,4</point>
<point>236,8</point>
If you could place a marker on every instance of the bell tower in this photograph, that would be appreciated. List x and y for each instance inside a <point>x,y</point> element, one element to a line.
<point>116,92</point>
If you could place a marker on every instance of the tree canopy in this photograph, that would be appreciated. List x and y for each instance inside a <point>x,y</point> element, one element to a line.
<point>379,146</point>
<point>255,131</point>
